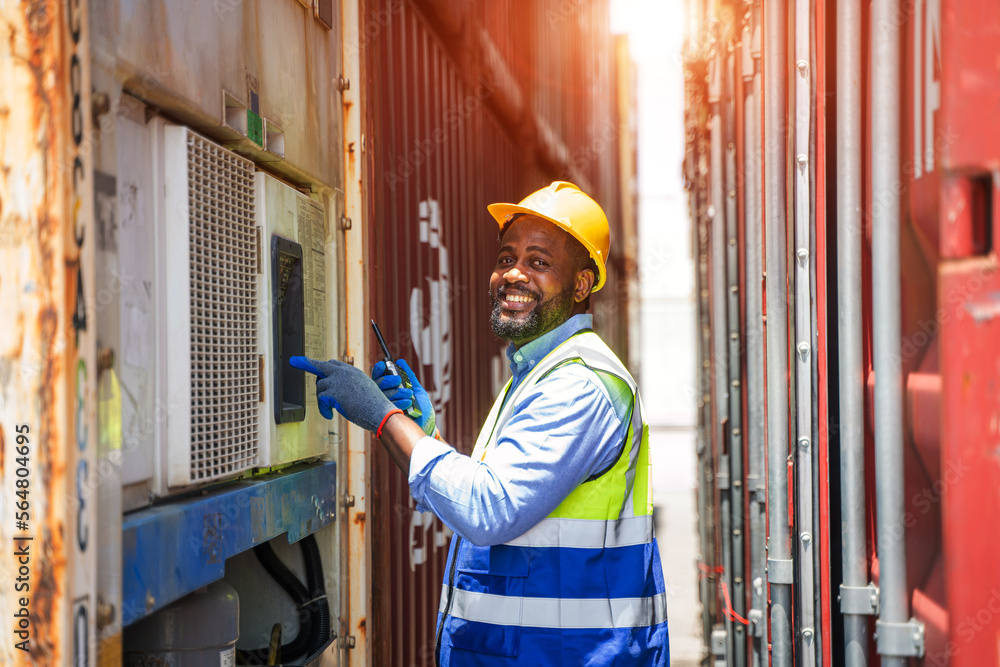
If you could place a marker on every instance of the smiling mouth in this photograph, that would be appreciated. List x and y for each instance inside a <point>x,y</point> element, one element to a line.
<point>515,301</point>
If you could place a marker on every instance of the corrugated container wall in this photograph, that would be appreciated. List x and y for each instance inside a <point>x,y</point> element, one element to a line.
<point>468,106</point>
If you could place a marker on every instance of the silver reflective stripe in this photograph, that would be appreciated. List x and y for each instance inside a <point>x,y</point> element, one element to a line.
<point>557,612</point>
<point>587,534</point>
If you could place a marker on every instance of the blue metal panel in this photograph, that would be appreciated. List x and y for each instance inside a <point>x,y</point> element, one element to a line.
<point>172,550</point>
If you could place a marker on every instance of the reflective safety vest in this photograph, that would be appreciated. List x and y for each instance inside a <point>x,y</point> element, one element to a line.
<point>582,587</point>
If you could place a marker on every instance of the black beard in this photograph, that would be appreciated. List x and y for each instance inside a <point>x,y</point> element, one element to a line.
<point>545,316</point>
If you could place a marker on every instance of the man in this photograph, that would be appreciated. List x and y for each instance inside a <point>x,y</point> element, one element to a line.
<point>553,560</point>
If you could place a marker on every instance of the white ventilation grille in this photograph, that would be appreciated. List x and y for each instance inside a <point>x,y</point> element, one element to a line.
<point>224,362</point>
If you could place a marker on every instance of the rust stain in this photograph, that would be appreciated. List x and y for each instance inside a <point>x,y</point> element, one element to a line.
<point>38,20</point>
<point>52,565</point>
<point>56,225</point>
<point>363,625</point>
<point>359,518</point>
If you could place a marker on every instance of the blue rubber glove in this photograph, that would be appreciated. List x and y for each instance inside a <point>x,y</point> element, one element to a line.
<point>349,390</point>
<point>402,398</point>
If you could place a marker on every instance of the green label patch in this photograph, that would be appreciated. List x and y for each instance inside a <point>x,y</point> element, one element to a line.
<point>255,128</point>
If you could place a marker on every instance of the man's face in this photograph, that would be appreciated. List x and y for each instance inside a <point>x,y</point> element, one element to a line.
<point>535,282</point>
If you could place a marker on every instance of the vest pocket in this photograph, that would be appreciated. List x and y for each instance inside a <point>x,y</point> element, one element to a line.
<point>484,638</point>
<point>495,571</point>
<point>501,560</point>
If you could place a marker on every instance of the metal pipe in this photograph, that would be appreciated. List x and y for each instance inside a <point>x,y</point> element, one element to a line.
<point>720,353</point>
<point>804,338</point>
<point>718,253</point>
<point>734,536</point>
<point>885,58</point>
<point>754,427</point>
<point>851,371</point>
<point>775,190</point>
<point>700,242</point>
<point>705,479</point>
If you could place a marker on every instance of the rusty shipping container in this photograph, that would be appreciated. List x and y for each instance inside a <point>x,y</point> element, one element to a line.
<point>471,103</point>
<point>154,157</point>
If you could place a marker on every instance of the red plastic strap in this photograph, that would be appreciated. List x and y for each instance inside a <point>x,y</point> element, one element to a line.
<point>395,411</point>
<point>706,570</point>
<point>730,614</point>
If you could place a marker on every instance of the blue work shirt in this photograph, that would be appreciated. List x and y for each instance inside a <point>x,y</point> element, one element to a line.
<point>565,430</point>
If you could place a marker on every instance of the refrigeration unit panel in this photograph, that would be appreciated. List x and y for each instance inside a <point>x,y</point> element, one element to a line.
<point>210,322</point>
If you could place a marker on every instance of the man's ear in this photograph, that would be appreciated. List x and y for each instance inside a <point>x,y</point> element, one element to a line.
<point>585,279</point>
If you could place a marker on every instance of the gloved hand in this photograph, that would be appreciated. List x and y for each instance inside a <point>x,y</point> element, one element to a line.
<point>349,390</point>
<point>402,398</point>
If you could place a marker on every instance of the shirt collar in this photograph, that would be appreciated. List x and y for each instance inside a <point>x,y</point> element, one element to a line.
<point>524,359</point>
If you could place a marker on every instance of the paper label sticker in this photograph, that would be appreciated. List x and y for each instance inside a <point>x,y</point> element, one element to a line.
<point>312,236</point>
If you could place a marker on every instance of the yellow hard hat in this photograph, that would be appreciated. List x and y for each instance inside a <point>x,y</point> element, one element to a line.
<point>568,207</point>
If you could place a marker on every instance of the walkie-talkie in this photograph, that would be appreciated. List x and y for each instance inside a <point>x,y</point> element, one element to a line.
<point>413,412</point>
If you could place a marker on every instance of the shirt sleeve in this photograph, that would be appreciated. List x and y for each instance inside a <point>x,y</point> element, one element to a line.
<point>564,430</point>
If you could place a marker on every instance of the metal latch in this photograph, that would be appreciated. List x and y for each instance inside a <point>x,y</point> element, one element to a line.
<point>757,622</point>
<point>900,639</point>
<point>719,642</point>
<point>861,600</point>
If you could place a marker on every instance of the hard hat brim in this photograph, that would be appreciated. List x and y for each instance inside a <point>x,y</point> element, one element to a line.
<point>501,212</point>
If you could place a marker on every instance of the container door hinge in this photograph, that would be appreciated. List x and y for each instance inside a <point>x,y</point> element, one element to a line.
<point>347,642</point>
<point>719,645</point>
<point>900,639</point>
<point>861,600</point>
<point>347,500</point>
<point>345,223</point>
<point>343,83</point>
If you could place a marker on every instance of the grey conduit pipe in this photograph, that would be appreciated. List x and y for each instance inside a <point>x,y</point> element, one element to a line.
<point>851,371</point>
<point>735,428</point>
<point>894,632</point>
<point>720,327</point>
<point>804,339</point>
<point>779,571</point>
<point>755,426</point>
<point>717,256</point>
<point>720,353</point>
<point>705,480</point>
